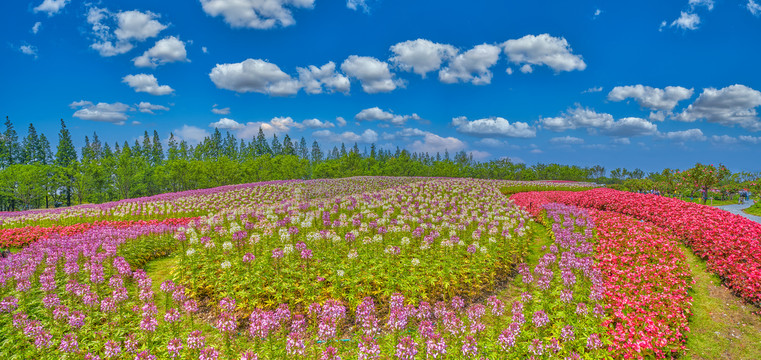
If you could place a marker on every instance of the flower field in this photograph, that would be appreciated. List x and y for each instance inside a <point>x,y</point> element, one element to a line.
<point>358,268</point>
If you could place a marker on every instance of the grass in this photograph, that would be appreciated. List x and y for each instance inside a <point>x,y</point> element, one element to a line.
<point>755,209</point>
<point>722,326</point>
<point>160,270</point>
<point>699,200</point>
<point>516,287</point>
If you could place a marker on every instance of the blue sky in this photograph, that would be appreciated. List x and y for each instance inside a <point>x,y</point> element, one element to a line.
<point>646,84</point>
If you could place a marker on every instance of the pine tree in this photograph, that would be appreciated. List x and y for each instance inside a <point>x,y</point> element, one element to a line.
<point>157,150</point>
<point>11,149</point>
<point>262,147</point>
<point>303,151</point>
<point>373,151</point>
<point>277,148</point>
<point>343,150</point>
<point>147,146</point>
<point>45,153</point>
<point>355,148</point>
<point>288,148</point>
<point>97,146</point>
<point>30,147</point>
<point>316,152</point>
<point>172,150</point>
<point>65,155</point>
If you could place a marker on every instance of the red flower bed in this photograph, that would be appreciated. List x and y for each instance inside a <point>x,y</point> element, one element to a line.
<point>18,237</point>
<point>646,280</point>
<point>729,243</point>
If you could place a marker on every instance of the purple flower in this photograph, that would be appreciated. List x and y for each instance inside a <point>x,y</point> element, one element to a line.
<point>209,354</point>
<point>227,304</point>
<point>248,257</point>
<point>8,304</point>
<point>294,345</point>
<point>540,319</point>
<point>306,254</point>
<point>112,349</point>
<point>69,343</point>
<point>406,349</point>
<point>174,347</point>
<point>196,340</point>
<point>277,253</point>
<point>190,306</point>
<point>172,315</point>
<point>168,286</point>
<point>581,308</point>
<point>469,346</point>
<point>458,303</point>
<point>249,355</point>
<point>148,323</point>
<point>330,353</point>
<point>497,306</point>
<point>506,339</point>
<point>368,348</point>
<point>435,346</point>
<point>567,333</point>
<point>594,342</point>
<point>536,347</point>
<point>145,355</point>
<point>77,319</point>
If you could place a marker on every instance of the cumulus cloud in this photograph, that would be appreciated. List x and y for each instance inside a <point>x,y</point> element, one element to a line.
<point>115,113</point>
<point>317,124</point>
<point>683,136</point>
<point>471,66</point>
<point>493,126</point>
<point>652,98</point>
<point>376,114</point>
<point>592,90</point>
<point>147,83</point>
<point>432,143</point>
<point>130,26</point>
<point>191,134</point>
<point>254,75</point>
<point>36,28</point>
<point>593,121</point>
<point>167,50</point>
<point>28,50</point>
<point>368,136</point>
<point>220,111</point>
<point>753,7</point>
<point>146,107</point>
<point>358,4</point>
<point>723,139</point>
<point>567,140</point>
<point>543,49</point>
<point>479,155</point>
<point>340,121</point>
<point>687,21</point>
<point>750,139</point>
<point>313,79</point>
<point>226,124</point>
<point>421,56</point>
<point>255,14</point>
<point>491,142</point>
<point>708,4</point>
<point>373,74</point>
<point>730,106</point>
<point>51,7</point>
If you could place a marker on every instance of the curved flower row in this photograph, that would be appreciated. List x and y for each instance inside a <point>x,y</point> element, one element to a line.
<point>729,243</point>
<point>646,281</point>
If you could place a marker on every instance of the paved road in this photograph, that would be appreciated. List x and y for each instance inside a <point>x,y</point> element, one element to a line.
<point>737,209</point>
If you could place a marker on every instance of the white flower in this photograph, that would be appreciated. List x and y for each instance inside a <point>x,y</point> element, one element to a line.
<point>340,273</point>
<point>210,245</point>
<point>287,249</point>
<point>254,239</point>
<point>227,245</point>
<point>424,246</point>
<point>193,239</point>
<point>353,254</point>
<point>405,241</point>
<point>415,262</point>
<point>190,251</point>
<point>225,264</point>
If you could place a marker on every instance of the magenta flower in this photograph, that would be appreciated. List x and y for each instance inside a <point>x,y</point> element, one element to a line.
<point>112,349</point>
<point>190,306</point>
<point>469,346</point>
<point>227,304</point>
<point>249,355</point>
<point>248,257</point>
<point>368,348</point>
<point>330,353</point>
<point>168,286</point>
<point>172,315</point>
<point>294,345</point>
<point>196,340</point>
<point>209,354</point>
<point>594,342</point>
<point>148,323</point>
<point>77,319</point>
<point>435,346</point>
<point>69,343</point>
<point>277,253</point>
<point>458,303</point>
<point>540,319</point>
<point>174,347</point>
<point>406,349</point>
<point>306,254</point>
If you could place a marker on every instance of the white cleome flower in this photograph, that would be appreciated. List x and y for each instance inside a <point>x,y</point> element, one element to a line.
<point>225,264</point>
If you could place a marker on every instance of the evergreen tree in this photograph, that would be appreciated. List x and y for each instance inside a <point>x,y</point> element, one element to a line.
<point>215,145</point>
<point>262,147</point>
<point>373,151</point>
<point>172,150</point>
<point>30,147</point>
<point>97,146</point>
<point>157,150</point>
<point>45,153</point>
<point>277,148</point>
<point>343,150</point>
<point>11,149</point>
<point>335,154</point>
<point>316,152</point>
<point>65,152</point>
<point>147,148</point>
<point>230,146</point>
<point>288,148</point>
<point>87,152</point>
<point>355,148</point>
<point>303,151</point>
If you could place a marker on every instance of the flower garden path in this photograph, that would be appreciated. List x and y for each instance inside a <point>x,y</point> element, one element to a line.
<point>738,209</point>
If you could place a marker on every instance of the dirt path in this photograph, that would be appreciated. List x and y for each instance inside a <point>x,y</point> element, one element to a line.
<point>722,326</point>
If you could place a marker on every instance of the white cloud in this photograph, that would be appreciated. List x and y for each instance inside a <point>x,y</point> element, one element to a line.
<point>567,140</point>
<point>592,90</point>
<point>367,137</point>
<point>663,25</point>
<point>597,13</point>
<point>227,124</point>
<point>317,124</point>
<point>732,105</point>
<point>708,4</point>
<point>340,121</point>
<point>146,107</point>
<point>687,21</point>
<point>167,50</point>
<point>433,143</point>
<point>421,56</point>
<point>471,66</point>
<point>373,74</point>
<point>684,135</point>
<point>220,111</point>
<point>256,14</point>
<point>491,142</point>
<point>536,151</point>
<point>527,69</point>
<point>479,155</point>
<point>750,139</point>
<point>204,50</point>
<point>147,83</point>
<point>376,114</point>
<point>543,49</point>
<point>652,98</point>
<point>51,7</point>
<point>277,125</point>
<point>593,121</point>
<point>36,27</point>
<point>754,8</point>
<point>113,113</point>
<point>131,26</point>
<point>314,78</point>
<point>622,141</point>
<point>723,139</point>
<point>28,50</point>
<point>191,134</point>
<point>357,4</point>
<point>630,126</point>
<point>493,126</point>
<point>254,75</point>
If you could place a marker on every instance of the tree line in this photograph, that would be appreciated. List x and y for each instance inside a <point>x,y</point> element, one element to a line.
<point>32,175</point>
